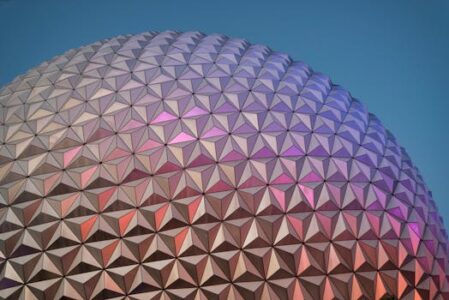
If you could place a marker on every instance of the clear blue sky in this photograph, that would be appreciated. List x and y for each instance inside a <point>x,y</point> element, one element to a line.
<point>393,55</point>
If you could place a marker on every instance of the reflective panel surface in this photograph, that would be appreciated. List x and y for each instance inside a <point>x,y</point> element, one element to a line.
<point>185,166</point>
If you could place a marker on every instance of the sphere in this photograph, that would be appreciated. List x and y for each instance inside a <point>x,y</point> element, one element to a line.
<point>190,166</point>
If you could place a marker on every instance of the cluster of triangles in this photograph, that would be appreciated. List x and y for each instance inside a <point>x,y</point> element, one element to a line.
<point>185,166</point>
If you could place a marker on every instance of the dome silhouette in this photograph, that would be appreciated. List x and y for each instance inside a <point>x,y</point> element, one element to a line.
<point>190,166</point>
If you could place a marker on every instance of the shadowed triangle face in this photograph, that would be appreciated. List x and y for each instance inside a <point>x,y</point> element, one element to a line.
<point>189,166</point>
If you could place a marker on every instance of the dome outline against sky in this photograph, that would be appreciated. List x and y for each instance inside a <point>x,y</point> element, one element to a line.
<point>182,165</point>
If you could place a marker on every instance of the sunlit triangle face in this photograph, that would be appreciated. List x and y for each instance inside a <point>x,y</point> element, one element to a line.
<point>190,166</point>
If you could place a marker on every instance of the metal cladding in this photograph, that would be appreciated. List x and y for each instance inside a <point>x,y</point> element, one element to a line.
<point>190,166</point>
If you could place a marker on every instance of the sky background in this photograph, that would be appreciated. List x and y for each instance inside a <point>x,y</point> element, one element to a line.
<point>392,55</point>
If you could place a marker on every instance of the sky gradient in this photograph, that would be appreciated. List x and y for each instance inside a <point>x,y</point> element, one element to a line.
<point>392,55</point>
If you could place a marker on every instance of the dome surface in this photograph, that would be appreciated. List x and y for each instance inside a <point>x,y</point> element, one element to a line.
<point>190,166</point>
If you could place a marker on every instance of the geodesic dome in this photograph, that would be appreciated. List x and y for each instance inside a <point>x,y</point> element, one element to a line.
<point>189,166</point>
